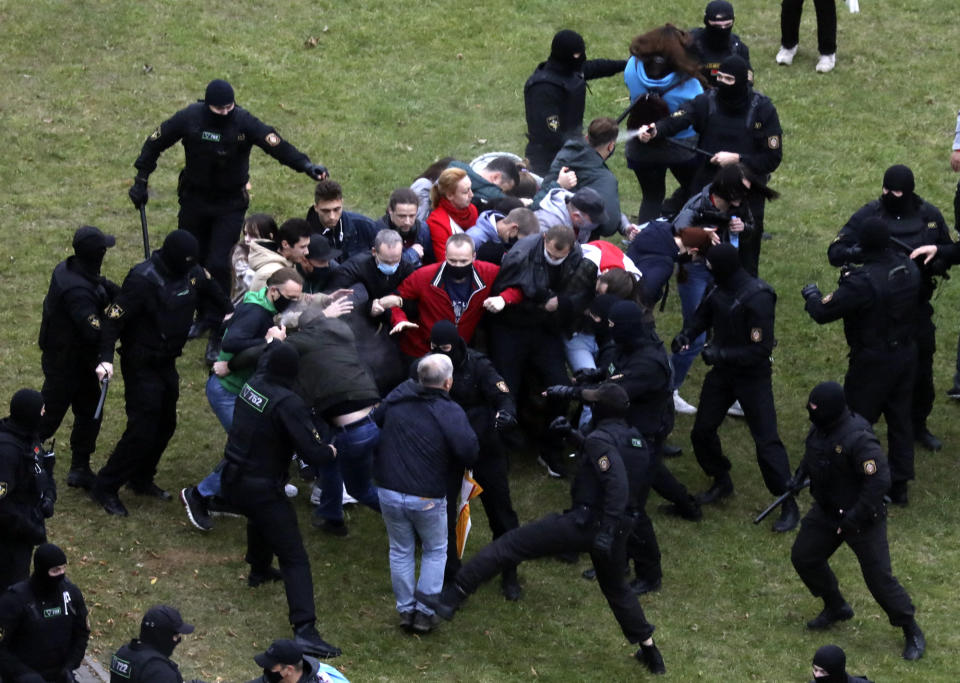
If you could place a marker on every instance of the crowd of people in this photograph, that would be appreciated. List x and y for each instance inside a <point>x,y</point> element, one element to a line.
<point>499,307</point>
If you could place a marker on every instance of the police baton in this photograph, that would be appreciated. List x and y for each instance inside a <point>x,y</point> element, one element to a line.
<point>775,504</point>
<point>146,240</point>
<point>104,385</point>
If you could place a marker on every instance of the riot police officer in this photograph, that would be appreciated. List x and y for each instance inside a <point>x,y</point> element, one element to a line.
<point>848,477</point>
<point>879,304</point>
<point>603,494</point>
<point>151,317</point>
<point>270,424</point>
<point>147,659</point>
<point>715,40</point>
<point>26,493</point>
<point>217,136</point>
<point>913,222</point>
<point>44,623</point>
<point>70,341</point>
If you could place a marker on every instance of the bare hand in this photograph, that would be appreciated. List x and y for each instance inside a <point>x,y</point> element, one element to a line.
<point>403,325</point>
<point>928,251</point>
<point>714,237</point>
<point>567,179</point>
<point>341,293</point>
<point>551,305</point>
<point>376,308</point>
<point>275,332</point>
<point>339,306</point>
<point>417,247</point>
<point>736,225</point>
<point>631,232</point>
<point>725,158</point>
<point>221,368</point>
<point>391,301</point>
<point>647,133</point>
<point>955,160</point>
<point>104,370</point>
<point>494,304</point>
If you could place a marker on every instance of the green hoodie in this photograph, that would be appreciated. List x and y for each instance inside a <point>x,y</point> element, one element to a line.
<point>482,187</point>
<point>236,379</point>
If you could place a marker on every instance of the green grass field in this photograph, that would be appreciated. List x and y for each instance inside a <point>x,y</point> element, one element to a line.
<point>377,90</point>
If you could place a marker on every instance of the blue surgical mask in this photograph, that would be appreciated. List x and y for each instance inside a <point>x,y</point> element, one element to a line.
<point>386,268</point>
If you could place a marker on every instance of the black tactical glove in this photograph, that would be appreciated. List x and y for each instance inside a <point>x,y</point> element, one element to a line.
<point>46,505</point>
<point>712,354</point>
<point>854,254</point>
<point>138,192</point>
<point>810,291</point>
<point>603,540</point>
<point>563,391</point>
<point>504,420</point>
<point>849,523</point>
<point>798,481</point>
<point>560,426</point>
<point>679,342</point>
<point>316,171</point>
<point>588,376</point>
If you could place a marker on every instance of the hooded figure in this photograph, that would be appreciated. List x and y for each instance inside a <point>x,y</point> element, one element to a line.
<point>568,50</point>
<point>734,97</point>
<point>46,557</point>
<point>898,178</point>
<point>827,405</point>
<point>718,11</point>
<point>444,333</point>
<point>179,252</point>
<point>724,263</point>
<point>26,409</point>
<point>90,246</point>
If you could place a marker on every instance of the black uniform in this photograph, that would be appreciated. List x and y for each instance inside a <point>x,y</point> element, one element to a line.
<point>740,312</point>
<point>212,186</point>
<point>879,304</point>
<point>140,662</point>
<point>23,487</point>
<point>70,334</point>
<point>151,317</point>
<point>712,50</point>
<point>848,478</point>
<point>603,498</point>
<point>919,224</point>
<point>270,424</point>
<point>45,631</point>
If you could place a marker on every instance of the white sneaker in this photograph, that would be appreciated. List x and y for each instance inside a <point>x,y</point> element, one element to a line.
<point>291,490</point>
<point>735,410</point>
<point>826,63</point>
<point>682,406</point>
<point>347,498</point>
<point>785,55</point>
<point>315,494</point>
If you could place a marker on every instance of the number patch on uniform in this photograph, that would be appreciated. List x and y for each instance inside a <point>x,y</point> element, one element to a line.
<point>120,667</point>
<point>252,398</point>
<point>52,612</point>
<point>756,335</point>
<point>870,467</point>
<point>208,136</point>
<point>603,463</point>
<point>636,443</point>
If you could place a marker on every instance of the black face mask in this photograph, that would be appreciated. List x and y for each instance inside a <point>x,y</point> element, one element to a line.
<point>91,259</point>
<point>272,676</point>
<point>456,354</point>
<point>718,38</point>
<point>46,584</point>
<point>282,303</point>
<point>219,120</point>
<point>895,205</point>
<point>457,272</point>
<point>161,640</point>
<point>733,97</point>
<point>656,66</point>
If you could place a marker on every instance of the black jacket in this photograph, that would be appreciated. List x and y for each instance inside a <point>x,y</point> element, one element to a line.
<point>710,56</point>
<point>362,269</point>
<point>611,472</point>
<point>73,311</point>
<point>354,234</point>
<point>643,370</point>
<point>22,485</point>
<point>138,662</point>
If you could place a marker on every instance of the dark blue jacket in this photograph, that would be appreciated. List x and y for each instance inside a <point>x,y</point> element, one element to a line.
<point>353,235</point>
<point>654,252</point>
<point>423,432</point>
<point>421,236</point>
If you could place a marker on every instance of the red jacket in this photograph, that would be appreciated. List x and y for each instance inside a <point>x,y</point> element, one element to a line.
<point>441,221</point>
<point>424,286</point>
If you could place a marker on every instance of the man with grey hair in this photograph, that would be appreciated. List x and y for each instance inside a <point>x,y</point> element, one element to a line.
<point>422,431</point>
<point>380,272</point>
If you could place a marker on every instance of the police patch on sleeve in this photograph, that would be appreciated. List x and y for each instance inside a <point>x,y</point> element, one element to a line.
<point>114,311</point>
<point>773,142</point>
<point>502,386</point>
<point>553,123</point>
<point>3,489</point>
<point>272,139</point>
<point>678,112</point>
<point>94,321</point>
<point>827,299</point>
<point>870,467</point>
<point>756,335</point>
<point>603,463</point>
<point>2,633</point>
<point>155,134</point>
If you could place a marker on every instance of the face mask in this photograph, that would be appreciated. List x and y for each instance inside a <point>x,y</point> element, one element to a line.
<point>717,37</point>
<point>282,303</point>
<point>386,268</point>
<point>656,66</point>
<point>893,204</point>
<point>457,272</point>
<point>553,261</point>
<point>272,676</point>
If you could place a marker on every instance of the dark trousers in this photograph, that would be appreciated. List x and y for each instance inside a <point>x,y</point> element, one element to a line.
<point>216,225</point>
<point>14,562</point>
<point>818,540</point>
<point>721,387</point>
<point>272,530</point>
<point>68,382</point>
<point>653,185</point>
<point>560,533</point>
<point>150,393</point>
<point>642,546</point>
<point>956,209</point>
<point>925,335</point>
<point>879,383</point>
<point>790,11</point>
<point>661,478</point>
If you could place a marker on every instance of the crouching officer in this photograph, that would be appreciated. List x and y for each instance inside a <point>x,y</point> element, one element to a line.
<point>43,623</point>
<point>147,659</point>
<point>848,476</point>
<point>598,522</point>
<point>270,424</point>
<point>284,662</point>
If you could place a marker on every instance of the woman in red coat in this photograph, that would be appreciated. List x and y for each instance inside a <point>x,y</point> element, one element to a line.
<point>452,211</point>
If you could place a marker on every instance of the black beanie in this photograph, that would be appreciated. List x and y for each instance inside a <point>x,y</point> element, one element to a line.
<point>567,43</point>
<point>180,251</point>
<point>628,321</point>
<point>601,305</point>
<point>718,10</point>
<point>219,93</point>
<point>833,660</point>
<point>724,261</point>
<point>444,332</point>
<point>826,404</point>
<point>874,235</point>
<point>283,361</point>
<point>736,67</point>
<point>899,178</point>
<point>25,407</point>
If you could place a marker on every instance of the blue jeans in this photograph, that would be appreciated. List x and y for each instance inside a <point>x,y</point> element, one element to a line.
<point>408,517</point>
<point>691,293</point>
<point>352,467</point>
<point>581,351</point>
<point>221,402</point>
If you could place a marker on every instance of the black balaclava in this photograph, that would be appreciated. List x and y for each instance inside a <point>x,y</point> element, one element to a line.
<point>600,307</point>
<point>826,404</point>
<point>566,44</point>
<point>734,97</point>
<point>716,37</point>
<point>724,262</point>
<point>219,94</point>
<point>90,246</point>
<point>874,235</point>
<point>656,66</point>
<point>627,321</point>
<point>179,252</point>
<point>25,407</point>
<point>46,557</point>
<point>283,362</point>
<point>607,401</point>
<point>833,660</point>
<point>445,332</point>
<point>900,178</point>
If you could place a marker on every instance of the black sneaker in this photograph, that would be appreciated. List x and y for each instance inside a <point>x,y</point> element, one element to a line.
<point>255,579</point>
<point>309,640</point>
<point>150,490</point>
<point>510,587</point>
<point>445,603</point>
<point>406,620</point>
<point>218,507</point>
<point>424,623</point>
<point>642,586</point>
<point>196,508</point>
<point>334,527</point>
<point>650,657</point>
<point>109,501</point>
<point>915,644</point>
<point>830,616</point>
<point>722,488</point>
<point>954,393</point>
<point>81,477</point>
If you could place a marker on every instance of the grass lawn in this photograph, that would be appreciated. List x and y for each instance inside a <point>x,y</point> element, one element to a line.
<point>376,91</point>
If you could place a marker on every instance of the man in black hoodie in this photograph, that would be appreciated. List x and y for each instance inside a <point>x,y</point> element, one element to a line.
<point>147,659</point>
<point>715,40</point>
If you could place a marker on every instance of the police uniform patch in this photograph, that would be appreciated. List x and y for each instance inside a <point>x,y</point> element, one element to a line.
<point>273,139</point>
<point>114,311</point>
<point>502,386</point>
<point>241,137</point>
<point>773,142</point>
<point>3,488</point>
<point>678,112</point>
<point>193,282</point>
<point>155,134</point>
<point>94,321</point>
<point>636,443</point>
<point>932,226</point>
<point>756,335</point>
<point>757,125</point>
<point>603,463</point>
<point>209,136</point>
<point>839,449</point>
<point>2,633</point>
<point>827,299</point>
<point>553,123</point>
<point>870,467</point>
